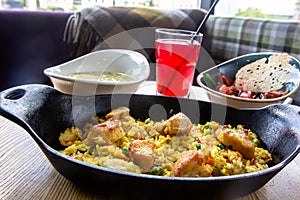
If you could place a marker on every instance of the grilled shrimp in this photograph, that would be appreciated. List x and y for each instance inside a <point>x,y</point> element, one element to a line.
<point>177,124</point>
<point>141,153</point>
<point>121,165</point>
<point>238,140</point>
<point>105,133</point>
<point>118,113</point>
<point>191,164</point>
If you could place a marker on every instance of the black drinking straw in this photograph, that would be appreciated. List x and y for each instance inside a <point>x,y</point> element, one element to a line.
<point>204,20</point>
<point>192,39</point>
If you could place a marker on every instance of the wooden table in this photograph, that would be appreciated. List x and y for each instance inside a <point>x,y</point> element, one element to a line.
<point>25,172</point>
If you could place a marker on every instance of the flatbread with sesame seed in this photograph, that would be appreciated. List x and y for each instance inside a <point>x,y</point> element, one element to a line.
<point>265,75</point>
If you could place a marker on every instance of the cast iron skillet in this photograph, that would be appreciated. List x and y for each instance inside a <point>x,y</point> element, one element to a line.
<point>44,112</point>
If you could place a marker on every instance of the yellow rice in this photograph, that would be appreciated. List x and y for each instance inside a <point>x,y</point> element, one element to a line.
<point>168,148</point>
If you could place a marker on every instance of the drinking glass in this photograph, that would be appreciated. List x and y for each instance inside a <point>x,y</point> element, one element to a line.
<point>177,53</point>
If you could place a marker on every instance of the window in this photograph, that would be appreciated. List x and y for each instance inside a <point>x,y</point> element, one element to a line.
<point>76,2</point>
<point>272,9</point>
<point>275,9</point>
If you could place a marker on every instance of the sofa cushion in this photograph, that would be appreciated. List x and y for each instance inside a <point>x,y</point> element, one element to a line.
<point>30,42</point>
<point>232,36</point>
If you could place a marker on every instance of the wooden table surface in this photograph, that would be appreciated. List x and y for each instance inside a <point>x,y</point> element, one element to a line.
<point>25,172</point>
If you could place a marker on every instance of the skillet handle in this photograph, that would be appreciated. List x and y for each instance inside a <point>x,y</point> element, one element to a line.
<point>293,112</point>
<point>17,102</point>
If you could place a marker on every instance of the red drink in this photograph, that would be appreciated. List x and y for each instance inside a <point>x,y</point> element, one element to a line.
<point>176,61</point>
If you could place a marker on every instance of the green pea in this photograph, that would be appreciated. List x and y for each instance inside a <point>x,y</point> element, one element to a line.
<point>221,146</point>
<point>159,171</point>
<point>207,126</point>
<point>125,151</point>
<point>91,149</point>
<point>198,146</point>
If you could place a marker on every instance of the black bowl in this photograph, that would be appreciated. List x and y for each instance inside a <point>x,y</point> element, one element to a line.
<point>44,112</point>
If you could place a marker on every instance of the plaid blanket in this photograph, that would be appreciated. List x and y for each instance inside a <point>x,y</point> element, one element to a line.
<point>95,28</point>
<point>232,36</point>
